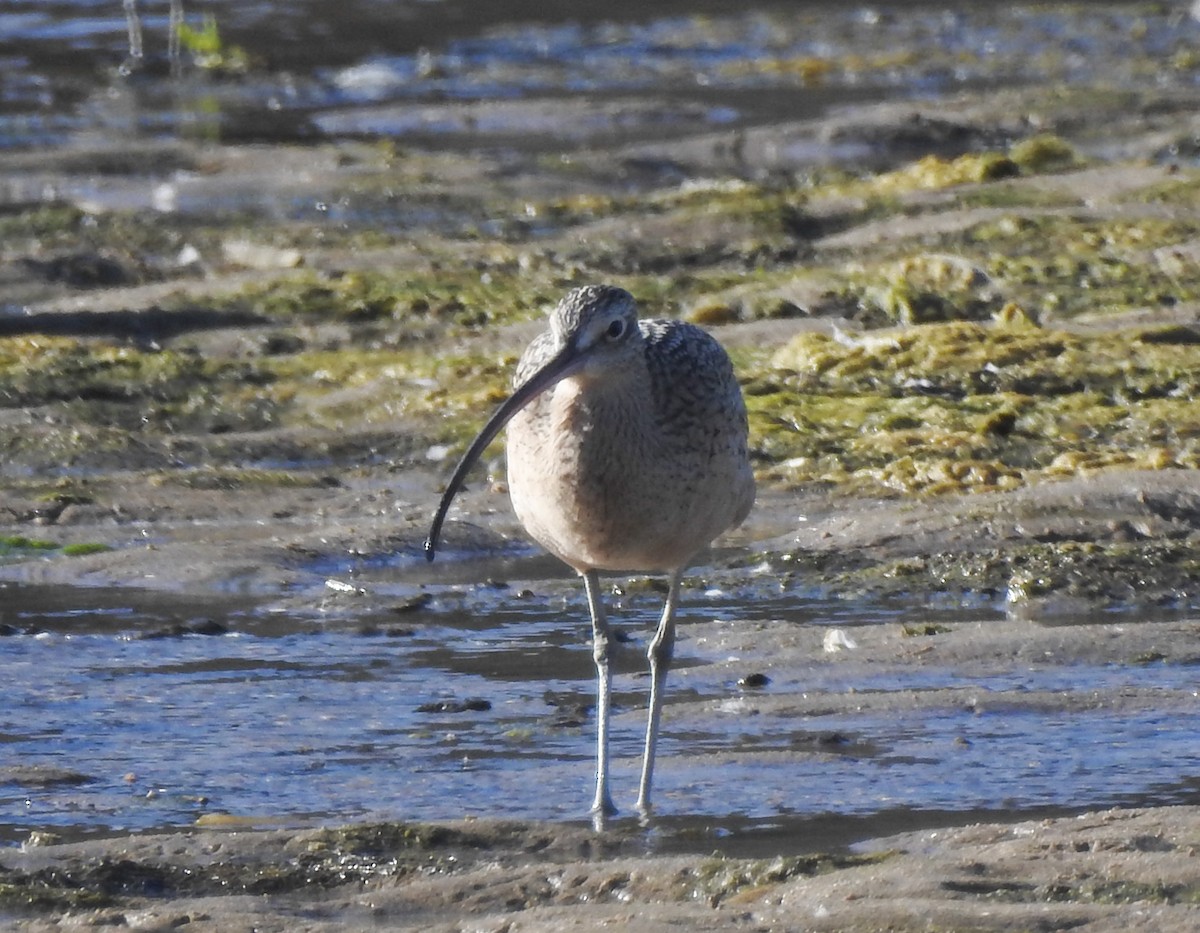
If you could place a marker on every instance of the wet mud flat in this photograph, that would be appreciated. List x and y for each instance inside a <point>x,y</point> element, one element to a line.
<point>1098,871</point>
<point>897,869</point>
<point>930,698</point>
<point>968,334</point>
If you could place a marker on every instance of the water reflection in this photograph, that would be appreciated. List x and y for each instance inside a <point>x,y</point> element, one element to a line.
<point>314,67</point>
<point>285,718</point>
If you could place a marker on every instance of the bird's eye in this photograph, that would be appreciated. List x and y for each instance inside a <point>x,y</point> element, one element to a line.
<point>615,330</point>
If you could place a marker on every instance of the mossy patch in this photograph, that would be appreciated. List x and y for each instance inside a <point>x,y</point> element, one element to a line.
<point>465,297</point>
<point>384,840</point>
<point>17,547</point>
<point>229,478</point>
<point>19,543</point>
<point>1115,573</point>
<point>325,859</point>
<point>1045,153</point>
<point>83,548</point>
<point>933,172</point>
<point>964,406</point>
<point>43,221</point>
<point>980,398</point>
<point>445,397</point>
<point>1087,891</point>
<point>38,369</point>
<point>924,288</point>
<point>721,880</point>
<point>1070,266</point>
<point>38,896</point>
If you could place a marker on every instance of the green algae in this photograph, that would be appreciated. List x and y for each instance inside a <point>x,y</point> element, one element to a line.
<point>1182,190</point>
<point>1106,891</point>
<point>18,543</point>
<point>231,477</point>
<point>924,288</point>
<point>59,497</point>
<point>444,396</point>
<point>1036,155</point>
<point>41,222</point>
<point>382,840</point>
<point>1070,266</point>
<point>209,51</point>
<point>468,298</point>
<point>934,172</point>
<point>737,235</point>
<point>1126,891</point>
<point>1111,573</point>
<point>84,548</point>
<point>38,369</point>
<point>969,394</point>
<point>720,880</point>
<point>1045,153</point>
<point>1053,265</point>
<point>20,546</point>
<point>324,859</point>
<point>962,406</point>
<point>38,896</point>
<point>62,242</point>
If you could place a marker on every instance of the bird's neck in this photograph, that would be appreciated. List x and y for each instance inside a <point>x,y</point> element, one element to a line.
<point>622,394</point>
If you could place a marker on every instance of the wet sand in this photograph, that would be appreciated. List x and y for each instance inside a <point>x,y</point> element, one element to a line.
<point>1116,869</point>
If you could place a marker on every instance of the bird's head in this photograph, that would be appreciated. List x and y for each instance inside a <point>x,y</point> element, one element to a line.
<point>597,327</point>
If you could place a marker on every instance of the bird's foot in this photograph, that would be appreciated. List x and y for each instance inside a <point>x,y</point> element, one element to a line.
<point>602,810</point>
<point>602,817</point>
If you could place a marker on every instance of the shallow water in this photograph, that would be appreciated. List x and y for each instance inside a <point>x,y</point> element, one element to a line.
<point>383,68</point>
<point>281,718</point>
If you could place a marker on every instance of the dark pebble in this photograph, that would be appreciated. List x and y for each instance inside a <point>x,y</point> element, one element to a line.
<point>412,605</point>
<point>207,627</point>
<point>180,630</point>
<point>570,716</point>
<point>469,705</point>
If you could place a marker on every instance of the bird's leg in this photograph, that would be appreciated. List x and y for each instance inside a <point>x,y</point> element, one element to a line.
<point>602,806</point>
<point>660,652</point>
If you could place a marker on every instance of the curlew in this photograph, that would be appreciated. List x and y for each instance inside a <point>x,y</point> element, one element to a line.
<point>627,451</point>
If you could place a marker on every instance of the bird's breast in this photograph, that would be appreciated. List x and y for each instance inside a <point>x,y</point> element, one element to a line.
<point>595,479</point>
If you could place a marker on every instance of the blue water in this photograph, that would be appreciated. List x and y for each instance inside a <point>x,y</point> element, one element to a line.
<point>318,67</point>
<point>297,719</point>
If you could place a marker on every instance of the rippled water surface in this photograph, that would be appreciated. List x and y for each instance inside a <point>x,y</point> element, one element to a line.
<point>313,68</point>
<point>131,711</point>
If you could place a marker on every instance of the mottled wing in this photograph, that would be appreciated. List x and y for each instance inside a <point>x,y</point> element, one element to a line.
<point>699,406</point>
<point>692,379</point>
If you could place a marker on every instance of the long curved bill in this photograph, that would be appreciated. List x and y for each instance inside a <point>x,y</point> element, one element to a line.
<point>565,362</point>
